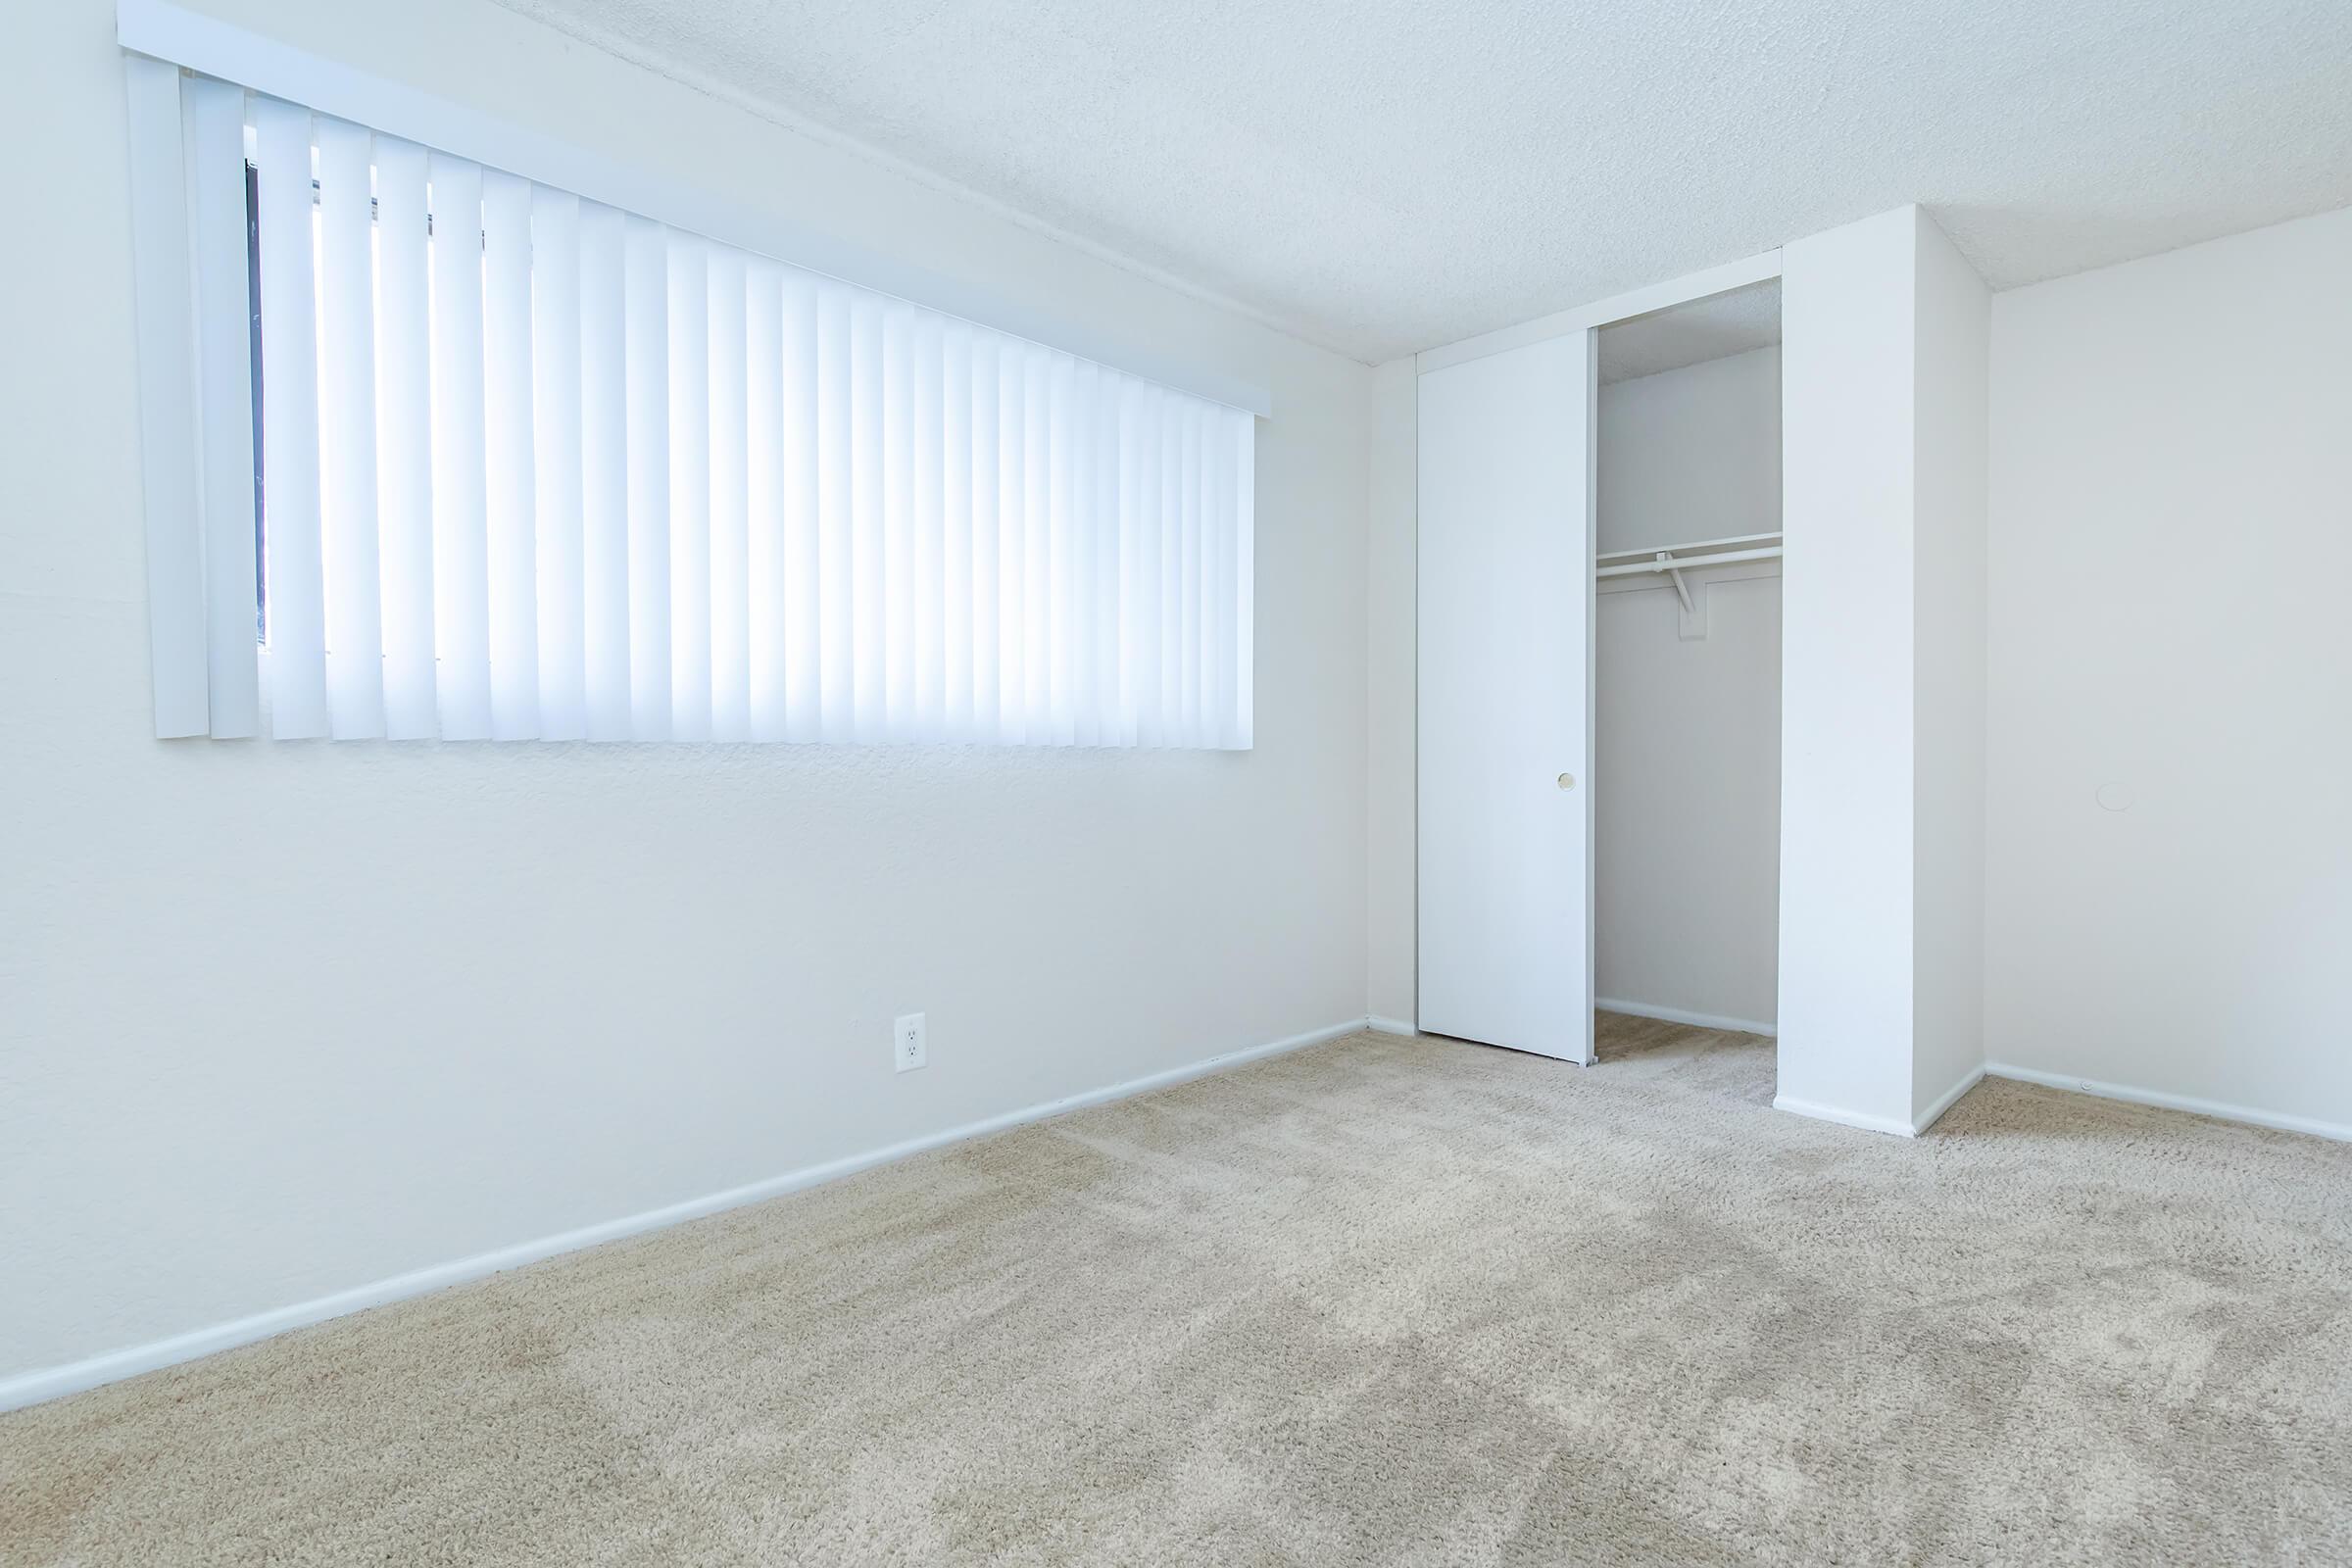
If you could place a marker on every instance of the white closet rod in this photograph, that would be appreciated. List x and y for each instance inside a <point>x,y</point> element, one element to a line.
<point>1696,544</point>
<point>1672,559</point>
<point>1666,561</point>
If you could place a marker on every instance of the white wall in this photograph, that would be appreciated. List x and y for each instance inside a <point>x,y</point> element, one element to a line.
<point>1884,328</point>
<point>2172,546</point>
<point>1389,628</point>
<point>279,1020</point>
<point>1692,453</point>
<point>1846,804</point>
<point>1948,667</point>
<point>1687,774</point>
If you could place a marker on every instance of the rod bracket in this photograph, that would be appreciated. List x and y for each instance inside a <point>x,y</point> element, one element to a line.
<point>1673,569</point>
<point>1671,562</point>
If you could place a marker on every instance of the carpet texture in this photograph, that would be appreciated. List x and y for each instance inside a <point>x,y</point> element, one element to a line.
<point>1379,1302</point>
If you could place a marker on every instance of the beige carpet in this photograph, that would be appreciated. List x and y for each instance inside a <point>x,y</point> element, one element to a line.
<point>1380,1302</point>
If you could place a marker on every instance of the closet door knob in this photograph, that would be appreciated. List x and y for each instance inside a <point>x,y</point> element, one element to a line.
<point>1567,781</point>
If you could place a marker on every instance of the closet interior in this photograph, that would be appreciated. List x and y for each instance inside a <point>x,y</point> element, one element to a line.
<point>1687,650</point>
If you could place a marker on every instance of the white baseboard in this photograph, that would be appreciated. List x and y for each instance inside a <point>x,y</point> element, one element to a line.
<point>1844,1117</point>
<point>1701,1020</point>
<point>1389,1026</point>
<point>51,1383</point>
<point>1884,1124</point>
<point>1946,1101</point>
<point>2279,1120</point>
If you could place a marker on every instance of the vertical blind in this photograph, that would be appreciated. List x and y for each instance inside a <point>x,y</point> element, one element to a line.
<point>534,468</point>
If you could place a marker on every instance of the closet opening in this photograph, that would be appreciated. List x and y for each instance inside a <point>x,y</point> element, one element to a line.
<point>1687,670</point>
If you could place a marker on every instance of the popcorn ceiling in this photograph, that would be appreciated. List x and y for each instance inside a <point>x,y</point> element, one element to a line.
<point>1391,176</point>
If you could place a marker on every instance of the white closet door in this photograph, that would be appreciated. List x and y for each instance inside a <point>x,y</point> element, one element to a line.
<point>1506,699</point>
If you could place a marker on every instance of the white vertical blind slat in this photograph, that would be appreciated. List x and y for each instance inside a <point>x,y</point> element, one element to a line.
<point>837,517</point>
<point>223,345</point>
<point>729,558</point>
<point>986,535</point>
<point>1035,636</point>
<point>803,471</point>
<point>646,306</point>
<point>1084,547</point>
<point>292,569</point>
<point>1102,662</point>
<point>404,440</point>
<point>537,468</point>
<point>169,415</point>
<point>927,529</point>
<point>1124,415</point>
<point>558,474</point>
<point>956,508</point>
<point>896,473</point>
<point>605,634</point>
<point>1059,620</point>
<point>294,573</point>
<point>353,606</point>
<point>460,482</point>
<point>1110,568</point>
<point>1144,640</point>
<point>1245,549</point>
<point>1157,616</point>
<point>1216,628</point>
<point>1171,514</point>
<point>1013,541</point>
<point>1189,560</point>
<point>764,539</point>
<point>689,489</point>
<point>511,431</point>
<point>868,602</point>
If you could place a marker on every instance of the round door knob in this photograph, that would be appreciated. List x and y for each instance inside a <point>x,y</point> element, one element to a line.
<point>1567,781</point>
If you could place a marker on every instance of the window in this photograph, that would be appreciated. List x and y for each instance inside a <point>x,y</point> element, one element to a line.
<point>531,466</point>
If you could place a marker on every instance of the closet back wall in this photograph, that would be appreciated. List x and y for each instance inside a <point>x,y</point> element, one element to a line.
<point>1688,767</point>
<point>279,1021</point>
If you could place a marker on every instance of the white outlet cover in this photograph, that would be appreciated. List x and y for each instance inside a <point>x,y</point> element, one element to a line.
<point>910,1048</point>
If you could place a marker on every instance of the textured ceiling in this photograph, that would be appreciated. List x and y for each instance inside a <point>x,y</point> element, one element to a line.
<point>1385,175</point>
<point>1720,325</point>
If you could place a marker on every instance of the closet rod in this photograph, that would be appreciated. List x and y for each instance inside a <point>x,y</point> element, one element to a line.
<point>1666,562</point>
<point>1696,544</point>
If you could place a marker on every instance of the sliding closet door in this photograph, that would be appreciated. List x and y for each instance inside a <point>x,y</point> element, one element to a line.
<point>1506,699</point>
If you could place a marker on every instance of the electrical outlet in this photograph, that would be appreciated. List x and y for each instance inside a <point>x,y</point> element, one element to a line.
<point>908,1049</point>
